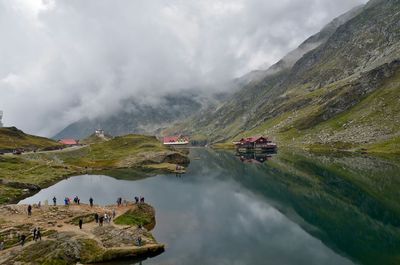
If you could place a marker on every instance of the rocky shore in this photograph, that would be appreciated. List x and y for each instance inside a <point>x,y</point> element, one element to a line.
<point>63,242</point>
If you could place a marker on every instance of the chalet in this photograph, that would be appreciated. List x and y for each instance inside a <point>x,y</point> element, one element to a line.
<point>258,143</point>
<point>69,142</point>
<point>176,140</point>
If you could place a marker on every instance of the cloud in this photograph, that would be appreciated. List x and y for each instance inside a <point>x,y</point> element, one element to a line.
<point>64,60</point>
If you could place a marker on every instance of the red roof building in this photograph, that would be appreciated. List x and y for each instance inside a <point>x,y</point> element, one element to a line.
<point>68,142</point>
<point>175,140</point>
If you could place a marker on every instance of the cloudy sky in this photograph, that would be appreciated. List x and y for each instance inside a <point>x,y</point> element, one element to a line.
<point>63,60</point>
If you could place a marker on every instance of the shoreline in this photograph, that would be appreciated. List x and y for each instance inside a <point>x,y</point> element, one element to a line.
<point>59,228</point>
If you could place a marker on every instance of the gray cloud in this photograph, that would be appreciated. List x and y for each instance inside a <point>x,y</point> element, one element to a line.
<point>63,60</point>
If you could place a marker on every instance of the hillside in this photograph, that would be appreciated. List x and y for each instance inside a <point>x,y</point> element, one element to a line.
<point>28,173</point>
<point>12,138</point>
<point>341,93</point>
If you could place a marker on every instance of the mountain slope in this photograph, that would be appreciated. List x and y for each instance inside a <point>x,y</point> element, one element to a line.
<point>355,59</point>
<point>11,138</point>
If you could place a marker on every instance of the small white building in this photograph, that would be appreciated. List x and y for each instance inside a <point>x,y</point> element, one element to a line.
<point>99,133</point>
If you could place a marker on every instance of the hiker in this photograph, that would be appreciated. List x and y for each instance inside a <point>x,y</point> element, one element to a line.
<point>38,235</point>
<point>136,199</point>
<point>113,213</point>
<point>139,240</point>
<point>39,204</point>
<point>80,223</point>
<point>66,201</point>
<point>96,217</point>
<point>1,245</point>
<point>91,202</point>
<point>101,220</point>
<point>141,199</point>
<point>54,201</point>
<point>119,201</point>
<point>34,233</point>
<point>29,209</point>
<point>23,237</point>
<point>105,218</point>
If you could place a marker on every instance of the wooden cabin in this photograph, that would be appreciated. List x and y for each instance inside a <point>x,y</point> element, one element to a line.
<point>257,143</point>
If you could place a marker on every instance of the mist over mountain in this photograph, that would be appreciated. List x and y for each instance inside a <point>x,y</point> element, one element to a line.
<point>64,61</point>
<point>341,92</point>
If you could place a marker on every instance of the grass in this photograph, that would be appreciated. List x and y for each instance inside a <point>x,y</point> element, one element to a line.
<point>44,169</point>
<point>143,215</point>
<point>12,138</point>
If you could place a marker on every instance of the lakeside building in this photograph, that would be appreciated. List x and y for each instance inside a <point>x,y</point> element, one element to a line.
<point>255,143</point>
<point>176,140</point>
<point>69,142</point>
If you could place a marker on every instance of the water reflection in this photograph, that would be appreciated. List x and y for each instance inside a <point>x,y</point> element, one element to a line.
<point>253,157</point>
<point>297,208</point>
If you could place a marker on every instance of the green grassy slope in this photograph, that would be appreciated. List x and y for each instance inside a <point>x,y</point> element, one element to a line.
<point>12,138</point>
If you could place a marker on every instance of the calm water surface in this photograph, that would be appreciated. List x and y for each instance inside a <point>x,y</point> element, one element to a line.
<point>294,208</point>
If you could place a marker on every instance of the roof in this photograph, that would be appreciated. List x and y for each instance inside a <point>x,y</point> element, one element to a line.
<point>173,139</point>
<point>68,141</point>
<point>252,139</point>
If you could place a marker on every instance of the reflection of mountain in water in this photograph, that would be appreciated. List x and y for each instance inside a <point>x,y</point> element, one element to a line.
<point>349,202</point>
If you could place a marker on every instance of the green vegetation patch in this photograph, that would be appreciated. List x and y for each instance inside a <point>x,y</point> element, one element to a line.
<point>142,215</point>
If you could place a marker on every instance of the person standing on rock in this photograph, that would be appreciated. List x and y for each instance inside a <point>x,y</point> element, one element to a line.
<point>96,217</point>
<point>54,201</point>
<point>38,235</point>
<point>91,202</point>
<point>101,219</point>
<point>29,209</point>
<point>136,199</point>
<point>80,223</point>
<point>23,237</point>
<point>34,233</point>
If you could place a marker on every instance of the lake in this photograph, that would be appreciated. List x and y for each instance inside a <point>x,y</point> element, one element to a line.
<point>288,208</point>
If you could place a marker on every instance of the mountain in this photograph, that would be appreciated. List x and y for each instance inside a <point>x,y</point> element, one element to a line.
<point>12,138</point>
<point>340,88</point>
<point>142,118</point>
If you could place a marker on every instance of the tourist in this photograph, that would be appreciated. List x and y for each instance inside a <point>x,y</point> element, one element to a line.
<point>34,233</point>
<point>96,217</point>
<point>101,220</point>
<point>80,223</point>
<point>39,204</point>
<point>1,245</point>
<point>23,237</point>
<point>38,235</point>
<point>139,240</point>
<point>105,217</point>
<point>113,213</point>
<point>66,201</point>
<point>54,201</point>
<point>29,209</point>
<point>141,199</point>
<point>136,199</point>
<point>91,202</point>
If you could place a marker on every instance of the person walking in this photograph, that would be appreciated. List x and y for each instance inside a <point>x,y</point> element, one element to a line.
<point>54,201</point>
<point>101,220</point>
<point>91,202</point>
<point>80,223</point>
<point>29,209</point>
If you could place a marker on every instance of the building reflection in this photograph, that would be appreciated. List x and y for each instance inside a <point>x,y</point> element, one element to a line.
<point>254,157</point>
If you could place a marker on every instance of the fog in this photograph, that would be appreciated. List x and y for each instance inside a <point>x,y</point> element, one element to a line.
<point>64,60</point>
